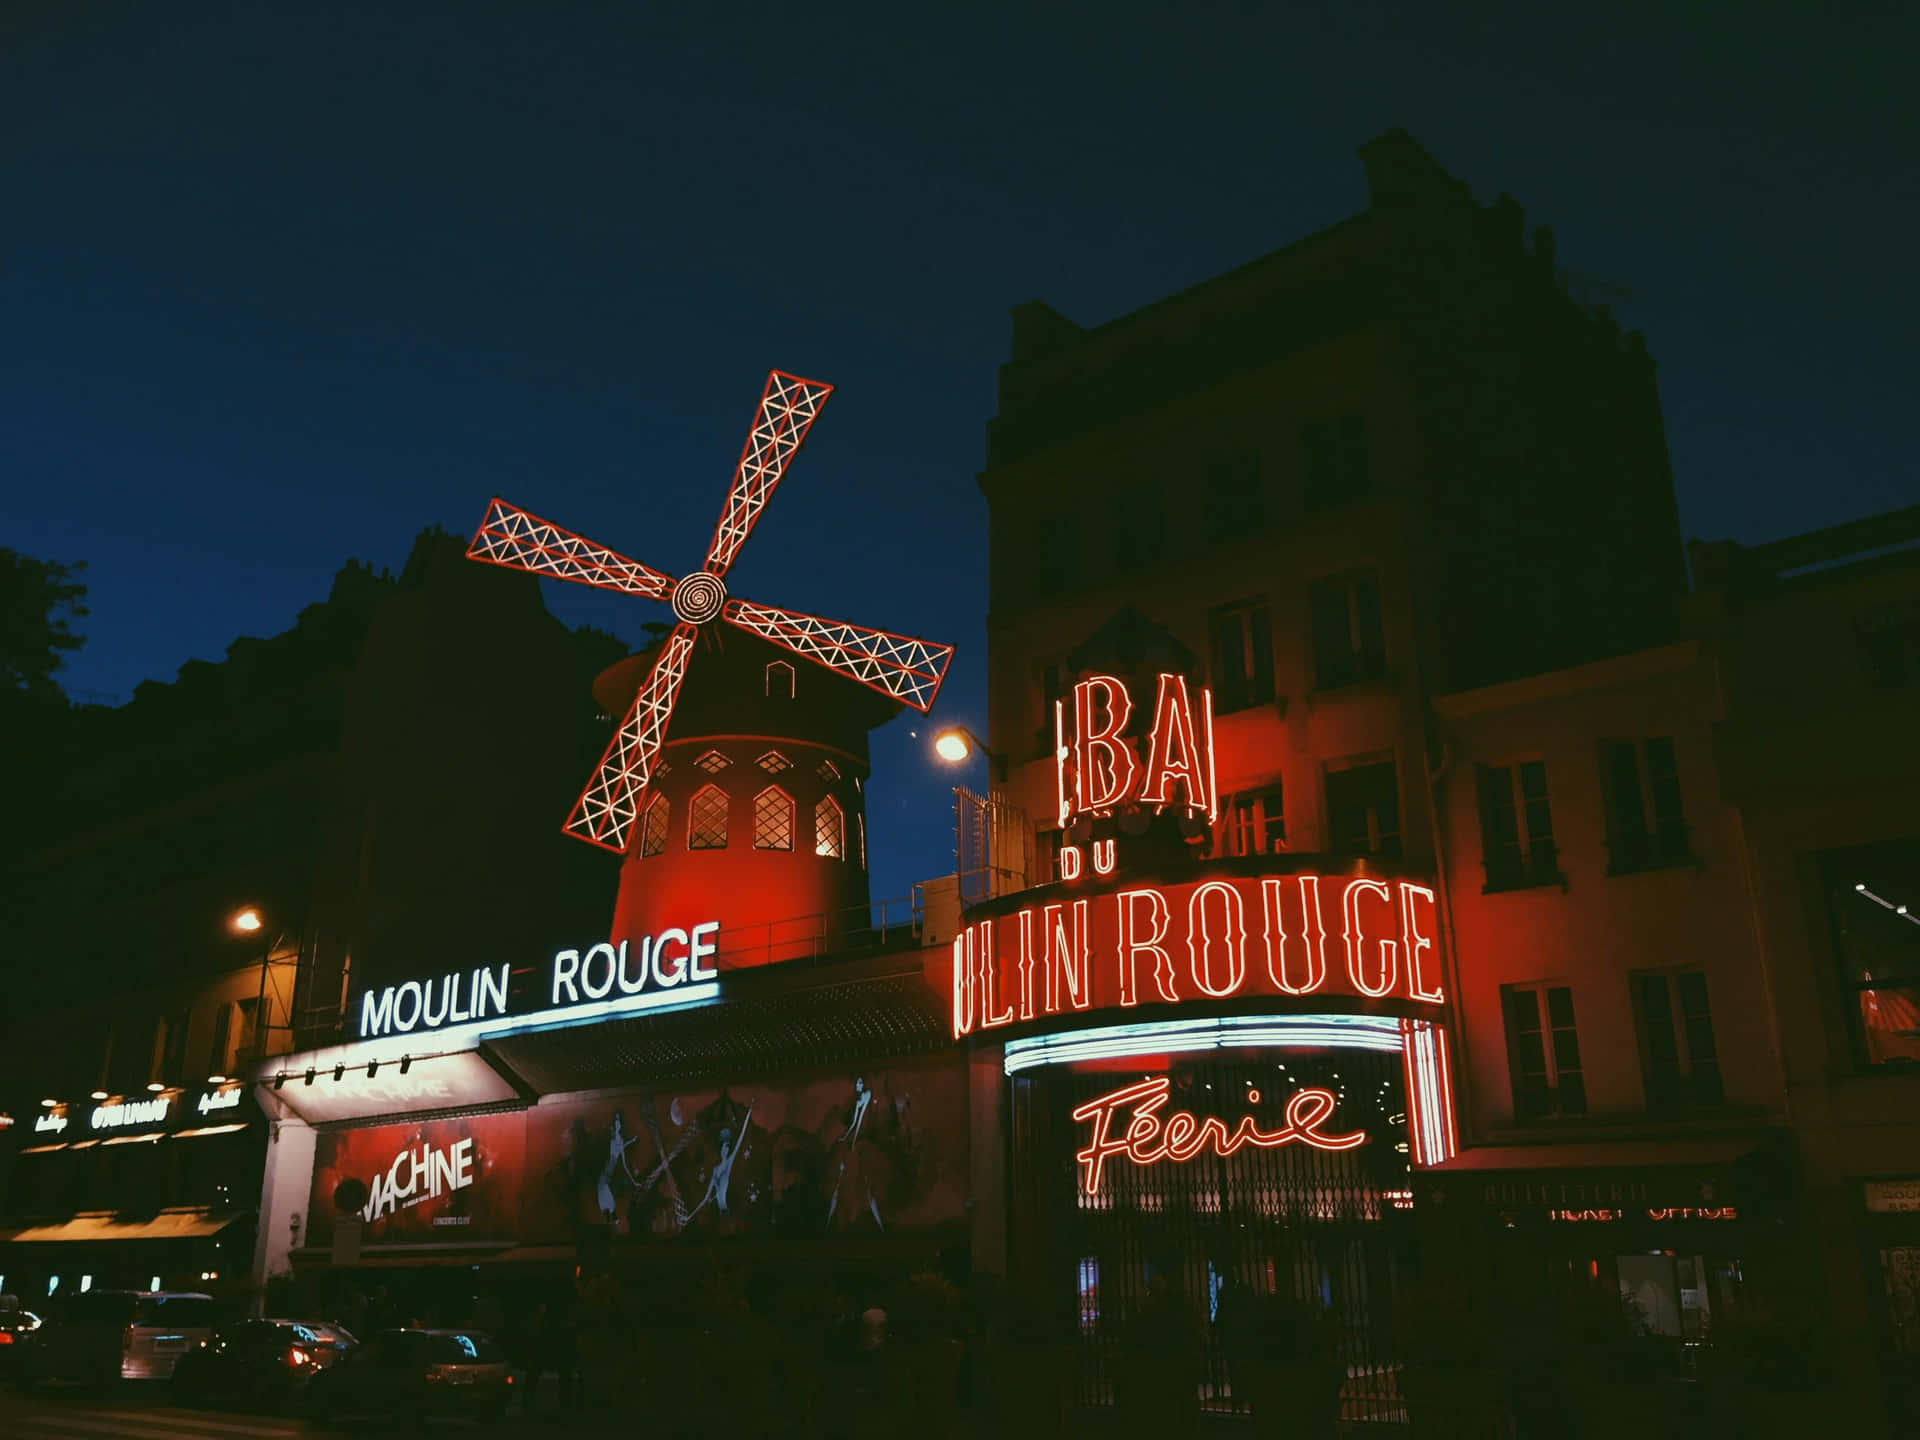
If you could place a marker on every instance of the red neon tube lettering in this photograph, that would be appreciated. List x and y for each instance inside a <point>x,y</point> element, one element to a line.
<point>1134,940</point>
<point>1174,752</point>
<point>1200,941</point>
<point>1146,1139</point>
<point>1419,943</point>
<point>1103,764</point>
<point>1312,948</point>
<point>1066,963</point>
<point>963,983</point>
<point>1356,935</point>
<point>1026,964</point>
<point>988,1017</point>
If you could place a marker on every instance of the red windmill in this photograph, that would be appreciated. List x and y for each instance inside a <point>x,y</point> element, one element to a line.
<point>908,669</point>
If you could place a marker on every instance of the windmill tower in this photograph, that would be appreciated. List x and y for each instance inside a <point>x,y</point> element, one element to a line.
<point>743,798</point>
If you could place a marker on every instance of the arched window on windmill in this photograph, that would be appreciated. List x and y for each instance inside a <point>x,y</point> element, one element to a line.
<point>773,819</point>
<point>653,827</point>
<point>779,680</point>
<point>707,820</point>
<point>829,829</point>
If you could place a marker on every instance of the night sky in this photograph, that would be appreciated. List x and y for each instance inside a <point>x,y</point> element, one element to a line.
<point>284,284</point>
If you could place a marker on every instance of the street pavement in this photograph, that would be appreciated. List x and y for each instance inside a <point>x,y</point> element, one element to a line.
<point>141,1412</point>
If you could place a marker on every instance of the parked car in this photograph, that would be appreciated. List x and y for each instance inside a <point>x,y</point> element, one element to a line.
<point>103,1335</point>
<point>17,1327</point>
<point>260,1362</point>
<point>413,1374</point>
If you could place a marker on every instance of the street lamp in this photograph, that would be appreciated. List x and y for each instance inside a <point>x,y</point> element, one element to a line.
<point>245,921</point>
<point>956,743</point>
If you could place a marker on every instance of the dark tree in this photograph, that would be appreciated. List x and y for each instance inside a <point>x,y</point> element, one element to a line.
<point>38,599</point>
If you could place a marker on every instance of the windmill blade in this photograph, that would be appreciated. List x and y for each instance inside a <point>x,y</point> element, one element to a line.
<point>908,669</point>
<point>510,537</point>
<point>788,408</point>
<point>605,812</point>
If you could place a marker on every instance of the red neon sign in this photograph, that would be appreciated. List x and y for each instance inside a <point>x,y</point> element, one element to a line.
<point>1099,769</point>
<point>1221,936</point>
<point>1181,1136</point>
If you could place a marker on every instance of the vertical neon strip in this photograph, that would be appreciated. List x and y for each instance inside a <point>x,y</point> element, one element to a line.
<point>1416,1122</point>
<point>1060,759</point>
<point>1213,776</point>
<point>1446,1095</point>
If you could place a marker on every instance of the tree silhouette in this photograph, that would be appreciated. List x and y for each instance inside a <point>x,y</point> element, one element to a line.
<point>38,600</point>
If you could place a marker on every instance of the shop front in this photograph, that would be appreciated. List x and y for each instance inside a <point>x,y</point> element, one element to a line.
<point>1688,1234</point>
<point>813,1117</point>
<point>1220,1078</point>
<point>150,1191</point>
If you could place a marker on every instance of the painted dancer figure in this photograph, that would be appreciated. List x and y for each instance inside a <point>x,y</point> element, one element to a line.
<point>617,1143</point>
<point>857,1146</point>
<point>722,1177</point>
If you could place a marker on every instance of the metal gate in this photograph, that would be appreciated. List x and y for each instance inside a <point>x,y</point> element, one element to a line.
<point>1321,1238</point>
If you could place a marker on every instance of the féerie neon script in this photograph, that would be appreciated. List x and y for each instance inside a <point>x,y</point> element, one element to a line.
<point>1149,1139</point>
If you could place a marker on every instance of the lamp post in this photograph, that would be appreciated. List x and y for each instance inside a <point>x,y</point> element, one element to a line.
<point>956,743</point>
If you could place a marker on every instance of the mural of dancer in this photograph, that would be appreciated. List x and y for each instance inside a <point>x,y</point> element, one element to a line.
<point>859,1159</point>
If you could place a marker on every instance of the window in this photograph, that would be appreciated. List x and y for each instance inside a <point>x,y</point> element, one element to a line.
<point>1363,810</point>
<point>1646,826</point>
<point>1543,1052</point>
<point>1349,644</point>
<point>707,820</point>
<point>1139,527</point>
<point>773,819</point>
<point>773,762</point>
<point>1873,907</point>
<point>827,771</point>
<point>779,680</point>
<point>829,830</point>
<point>1235,507</point>
<point>246,1029</point>
<point>1683,1066</point>
<point>1242,638</point>
<point>653,827</point>
<point>218,1055</point>
<point>1516,826</point>
<point>1335,452</point>
<point>1056,560</point>
<point>1257,823</point>
<point>170,1049</point>
<point>713,762</point>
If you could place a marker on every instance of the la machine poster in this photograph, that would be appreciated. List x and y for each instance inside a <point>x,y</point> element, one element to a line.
<point>871,1150</point>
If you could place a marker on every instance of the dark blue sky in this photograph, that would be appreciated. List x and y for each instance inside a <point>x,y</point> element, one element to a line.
<point>282,284</point>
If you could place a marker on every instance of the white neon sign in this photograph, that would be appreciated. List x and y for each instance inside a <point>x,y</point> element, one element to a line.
<point>123,1113</point>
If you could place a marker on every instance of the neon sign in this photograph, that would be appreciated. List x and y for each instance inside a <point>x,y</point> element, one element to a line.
<point>1610,1214</point>
<point>1149,1139</point>
<point>225,1098</point>
<point>675,965</point>
<point>1099,771</point>
<point>51,1120</point>
<point>1224,937</point>
<point>122,1113</point>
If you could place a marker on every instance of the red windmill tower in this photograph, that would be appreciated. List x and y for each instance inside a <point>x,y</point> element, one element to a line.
<point>901,667</point>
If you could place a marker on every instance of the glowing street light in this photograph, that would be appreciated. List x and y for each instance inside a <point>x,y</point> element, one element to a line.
<point>246,921</point>
<point>957,743</point>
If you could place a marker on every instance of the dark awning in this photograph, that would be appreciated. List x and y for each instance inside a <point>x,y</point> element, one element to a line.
<point>779,1018</point>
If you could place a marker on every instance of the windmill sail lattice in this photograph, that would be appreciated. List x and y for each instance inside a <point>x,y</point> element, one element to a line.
<point>901,666</point>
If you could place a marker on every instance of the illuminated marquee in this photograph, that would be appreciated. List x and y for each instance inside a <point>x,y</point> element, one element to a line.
<point>675,965</point>
<point>1101,769</point>
<point>1181,1136</point>
<point>1225,937</point>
